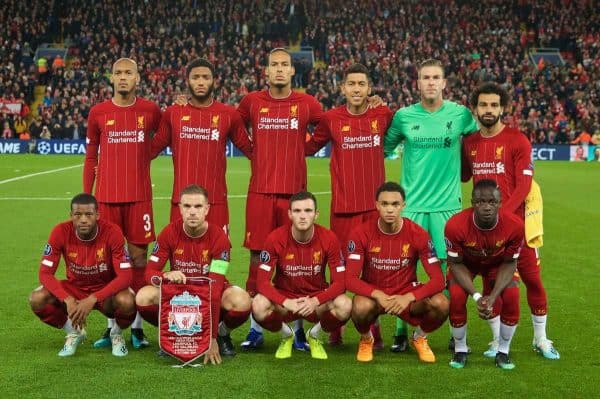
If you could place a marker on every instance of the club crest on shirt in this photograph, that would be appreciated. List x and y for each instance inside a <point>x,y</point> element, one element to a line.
<point>351,246</point>
<point>47,249</point>
<point>405,249</point>
<point>205,255</point>
<point>185,317</point>
<point>374,126</point>
<point>214,121</point>
<point>499,151</point>
<point>140,122</point>
<point>265,257</point>
<point>294,111</point>
<point>100,254</point>
<point>317,257</point>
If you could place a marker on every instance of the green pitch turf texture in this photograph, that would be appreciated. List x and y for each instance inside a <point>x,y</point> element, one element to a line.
<point>30,367</point>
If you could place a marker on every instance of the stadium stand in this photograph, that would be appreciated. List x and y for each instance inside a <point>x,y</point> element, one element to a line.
<point>478,41</point>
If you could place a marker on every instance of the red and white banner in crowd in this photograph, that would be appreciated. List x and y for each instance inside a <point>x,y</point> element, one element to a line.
<point>10,107</point>
<point>184,319</point>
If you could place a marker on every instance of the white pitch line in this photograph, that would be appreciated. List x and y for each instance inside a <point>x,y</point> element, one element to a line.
<point>39,173</point>
<point>156,198</point>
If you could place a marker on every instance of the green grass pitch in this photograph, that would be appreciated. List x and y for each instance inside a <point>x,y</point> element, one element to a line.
<point>30,367</point>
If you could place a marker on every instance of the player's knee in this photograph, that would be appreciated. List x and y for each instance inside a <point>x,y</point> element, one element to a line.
<point>440,304</point>
<point>342,307</point>
<point>261,306</point>
<point>236,299</point>
<point>147,296</point>
<point>39,298</point>
<point>362,306</point>
<point>125,301</point>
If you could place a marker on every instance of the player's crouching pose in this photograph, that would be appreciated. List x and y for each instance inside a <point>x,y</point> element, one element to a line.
<point>382,265</point>
<point>196,248</point>
<point>297,254</point>
<point>98,277</point>
<point>487,241</point>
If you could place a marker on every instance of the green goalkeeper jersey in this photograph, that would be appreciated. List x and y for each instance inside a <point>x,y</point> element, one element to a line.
<point>431,159</point>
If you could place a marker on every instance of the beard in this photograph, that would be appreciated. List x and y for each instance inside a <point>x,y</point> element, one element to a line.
<point>488,122</point>
<point>204,97</point>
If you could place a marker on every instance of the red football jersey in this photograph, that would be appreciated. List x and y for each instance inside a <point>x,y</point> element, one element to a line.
<point>190,255</point>
<point>122,136</point>
<point>484,249</point>
<point>356,167</point>
<point>300,267</point>
<point>279,128</point>
<point>388,262</point>
<point>100,265</point>
<point>505,158</point>
<point>198,138</point>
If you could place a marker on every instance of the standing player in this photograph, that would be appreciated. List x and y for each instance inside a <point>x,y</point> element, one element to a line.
<point>197,133</point>
<point>98,277</point>
<point>431,131</point>
<point>503,154</point>
<point>382,272</point>
<point>357,168</point>
<point>482,240</point>
<point>119,130</point>
<point>196,247</point>
<point>279,118</point>
<point>298,254</point>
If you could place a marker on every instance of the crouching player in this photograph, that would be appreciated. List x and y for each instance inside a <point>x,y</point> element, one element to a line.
<point>196,248</point>
<point>483,240</point>
<point>297,254</point>
<point>98,277</point>
<point>382,272</point>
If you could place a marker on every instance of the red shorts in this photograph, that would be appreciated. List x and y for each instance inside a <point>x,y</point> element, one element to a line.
<point>134,218</point>
<point>343,223</point>
<point>78,292</point>
<point>529,261</point>
<point>218,214</point>
<point>264,213</point>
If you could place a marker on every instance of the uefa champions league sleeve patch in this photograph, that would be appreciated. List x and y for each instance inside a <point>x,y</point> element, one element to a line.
<point>156,247</point>
<point>265,257</point>
<point>47,249</point>
<point>431,248</point>
<point>351,246</point>
<point>225,256</point>
<point>448,243</point>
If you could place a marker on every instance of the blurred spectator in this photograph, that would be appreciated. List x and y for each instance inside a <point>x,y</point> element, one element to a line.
<point>7,132</point>
<point>45,134</point>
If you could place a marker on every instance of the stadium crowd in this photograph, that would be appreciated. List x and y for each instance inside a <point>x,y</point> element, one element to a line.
<point>479,41</point>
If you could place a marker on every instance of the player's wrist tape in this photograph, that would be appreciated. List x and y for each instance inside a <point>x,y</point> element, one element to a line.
<point>476,296</point>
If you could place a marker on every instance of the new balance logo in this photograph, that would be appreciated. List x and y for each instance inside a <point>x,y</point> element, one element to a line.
<point>415,127</point>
